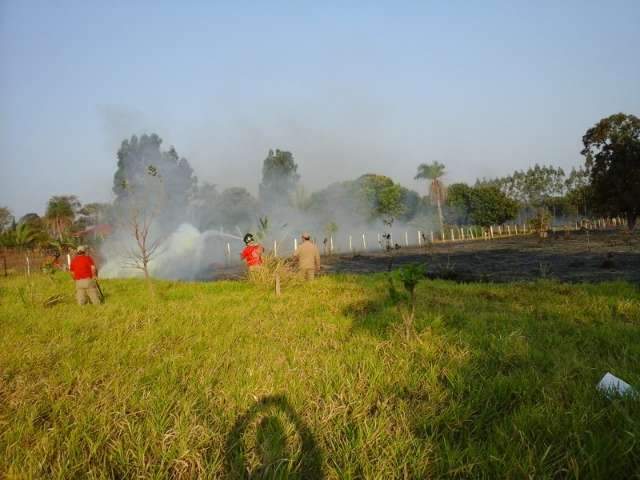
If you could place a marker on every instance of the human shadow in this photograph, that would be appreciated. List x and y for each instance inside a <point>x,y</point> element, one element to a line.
<point>270,456</point>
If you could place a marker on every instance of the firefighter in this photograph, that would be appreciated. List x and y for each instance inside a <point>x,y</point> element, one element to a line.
<point>308,257</point>
<point>252,253</point>
<point>84,272</point>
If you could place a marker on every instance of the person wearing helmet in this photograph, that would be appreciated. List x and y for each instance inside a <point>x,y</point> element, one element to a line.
<point>308,257</point>
<point>252,253</point>
<point>84,272</point>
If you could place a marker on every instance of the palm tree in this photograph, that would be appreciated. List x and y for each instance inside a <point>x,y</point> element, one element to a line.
<point>437,191</point>
<point>61,211</point>
<point>24,236</point>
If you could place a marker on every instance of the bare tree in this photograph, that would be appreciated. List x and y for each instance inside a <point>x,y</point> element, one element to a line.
<point>146,247</point>
<point>140,212</point>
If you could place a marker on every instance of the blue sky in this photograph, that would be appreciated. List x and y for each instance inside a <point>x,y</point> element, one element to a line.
<point>483,87</point>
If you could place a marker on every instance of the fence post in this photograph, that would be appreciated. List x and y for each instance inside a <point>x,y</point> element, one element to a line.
<point>491,230</point>
<point>419,238</point>
<point>364,243</point>
<point>431,236</point>
<point>275,248</point>
<point>350,244</point>
<point>295,244</point>
<point>331,244</point>
<point>406,238</point>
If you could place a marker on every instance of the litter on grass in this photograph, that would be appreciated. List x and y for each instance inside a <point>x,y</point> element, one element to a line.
<point>611,385</point>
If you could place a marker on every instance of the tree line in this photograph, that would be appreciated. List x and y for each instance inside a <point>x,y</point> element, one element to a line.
<point>161,185</point>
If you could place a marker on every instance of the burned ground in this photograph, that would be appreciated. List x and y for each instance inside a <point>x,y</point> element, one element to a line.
<point>571,257</point>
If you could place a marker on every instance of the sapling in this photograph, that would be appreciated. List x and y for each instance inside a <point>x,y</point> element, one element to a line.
<point>405,300</point>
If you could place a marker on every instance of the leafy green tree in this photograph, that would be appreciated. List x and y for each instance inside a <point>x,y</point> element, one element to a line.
<point>437,191</point>
<point>411,204</point>
<point>577,186</point>
<point>612,153</point>
<point>96,213</point>
<point>481,205</point>
<point>378,197</point>
<point>33,220</point>
<point>389,203</point>
<point>61,213</point>
<point>490,206</point>
<point>202,205</point>
<point>279,178</point>
<point>6,219</point>
<point>25,236</point>
<point>459,203</point>
<point>142,158</point>
<point>367,199</point>
<point>234,207</point>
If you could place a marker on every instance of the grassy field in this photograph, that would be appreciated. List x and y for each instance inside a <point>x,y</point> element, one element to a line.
<point>225,380</point>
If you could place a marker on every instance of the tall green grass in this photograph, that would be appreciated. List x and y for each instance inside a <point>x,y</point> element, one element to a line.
<point>225,379</point>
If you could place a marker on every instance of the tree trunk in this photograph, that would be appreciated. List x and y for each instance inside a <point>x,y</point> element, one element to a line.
<point>440,217</point>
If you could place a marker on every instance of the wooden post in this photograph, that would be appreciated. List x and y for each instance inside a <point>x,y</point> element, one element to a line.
<point>295,244</point>
<point>491,230</point>
<point>364,242</point>
<point>431,236</point>
<point>28,265</point>
<point>275,248</point>
<point>350,244</point>
<point>331,244</point>
<point>229,250</point>
<point>68,262</point>
<point>442,233</point>
<point>406,238</point>
<point>419,238</point>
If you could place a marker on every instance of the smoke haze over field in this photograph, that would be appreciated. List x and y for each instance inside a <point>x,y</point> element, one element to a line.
<point>348,90</point>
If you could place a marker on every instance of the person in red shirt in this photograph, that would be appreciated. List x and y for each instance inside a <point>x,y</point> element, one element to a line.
<point>252,253</point>
<point>84,272</point>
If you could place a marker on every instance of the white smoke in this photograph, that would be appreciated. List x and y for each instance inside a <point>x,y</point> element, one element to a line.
<point>185,254</point>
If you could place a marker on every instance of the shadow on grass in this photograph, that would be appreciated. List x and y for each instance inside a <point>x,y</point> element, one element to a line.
<point>269,458</point>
